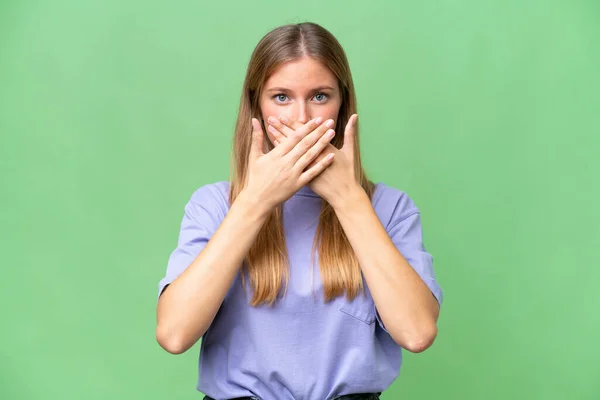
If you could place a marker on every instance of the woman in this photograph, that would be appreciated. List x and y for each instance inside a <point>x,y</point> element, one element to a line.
<point>242,276</point>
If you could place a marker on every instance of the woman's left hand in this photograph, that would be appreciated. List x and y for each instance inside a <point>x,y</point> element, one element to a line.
<point>339,178</point>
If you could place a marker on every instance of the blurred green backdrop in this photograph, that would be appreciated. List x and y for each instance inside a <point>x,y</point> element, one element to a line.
<point>487,113</point>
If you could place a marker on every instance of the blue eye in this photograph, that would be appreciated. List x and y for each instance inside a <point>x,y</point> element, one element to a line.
<point>280,97</point>
<point>323,97</point>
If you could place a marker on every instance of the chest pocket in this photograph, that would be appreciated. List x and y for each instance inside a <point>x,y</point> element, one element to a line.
<point>361,308</point>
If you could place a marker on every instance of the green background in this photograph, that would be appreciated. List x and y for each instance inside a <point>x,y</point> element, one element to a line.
<point>486,113</point>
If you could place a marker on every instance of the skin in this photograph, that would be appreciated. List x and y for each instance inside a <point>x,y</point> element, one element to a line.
<point>305,95</point>
<point>302,90</point>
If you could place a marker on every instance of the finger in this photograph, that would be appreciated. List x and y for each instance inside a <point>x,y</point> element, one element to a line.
<point>256,147</point>
<point>308,141</point>
<point>314,152</point>
<point>349,133</point>
<point>280,126</point>
<point>303,129</point>
<point>275,134</point>
<point>295,125</point>
<point>315,170</point>
<point>293,139</point>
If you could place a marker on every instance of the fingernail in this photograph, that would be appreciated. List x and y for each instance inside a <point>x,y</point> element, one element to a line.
<point>330,133</point>
<point>329,123</point>
<point>272,120</point>
<point>283,119</point>
<point>318,120</point>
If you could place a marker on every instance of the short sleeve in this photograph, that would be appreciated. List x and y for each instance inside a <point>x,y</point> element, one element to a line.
<point>404,228</point>
<point>408,238</point>
<point>202,216</point>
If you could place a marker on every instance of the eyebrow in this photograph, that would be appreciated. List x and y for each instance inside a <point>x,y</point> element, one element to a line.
<point>281,89</point>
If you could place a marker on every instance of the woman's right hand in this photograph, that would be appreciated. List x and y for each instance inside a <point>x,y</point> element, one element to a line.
<point>273,178</point>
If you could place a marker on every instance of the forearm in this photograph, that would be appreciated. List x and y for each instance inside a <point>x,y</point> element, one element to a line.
<point>406,305</point>
<point>187,307</point>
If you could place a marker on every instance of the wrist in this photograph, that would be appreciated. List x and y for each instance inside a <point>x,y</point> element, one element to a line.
<point>253,205</point>
<point>349,198</point>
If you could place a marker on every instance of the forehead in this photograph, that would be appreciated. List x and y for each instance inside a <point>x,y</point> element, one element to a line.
<point>304,73</point>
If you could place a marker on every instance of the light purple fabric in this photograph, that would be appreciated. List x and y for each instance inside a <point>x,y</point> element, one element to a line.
<point>302,348</point>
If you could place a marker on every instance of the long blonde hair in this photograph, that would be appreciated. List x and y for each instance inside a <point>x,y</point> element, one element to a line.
<point>266,263</point>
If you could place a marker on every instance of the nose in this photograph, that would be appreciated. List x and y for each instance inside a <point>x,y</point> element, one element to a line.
<point>301,112</point>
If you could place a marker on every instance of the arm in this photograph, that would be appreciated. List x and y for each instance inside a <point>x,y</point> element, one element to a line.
<point>405,303</point>
<point>184,313</point>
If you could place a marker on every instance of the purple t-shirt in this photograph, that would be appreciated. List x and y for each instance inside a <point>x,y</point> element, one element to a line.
<point>301,348</point>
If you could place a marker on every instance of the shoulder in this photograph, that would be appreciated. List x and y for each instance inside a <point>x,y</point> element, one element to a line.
<point>212,197</point>
<point>211,192</point>
<point>392,204</point>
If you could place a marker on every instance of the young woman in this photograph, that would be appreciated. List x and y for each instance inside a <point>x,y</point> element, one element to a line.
<point>303,278</point>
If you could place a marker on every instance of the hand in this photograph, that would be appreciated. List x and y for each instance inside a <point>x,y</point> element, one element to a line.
<point>339,177</point>
<point>274,177</point>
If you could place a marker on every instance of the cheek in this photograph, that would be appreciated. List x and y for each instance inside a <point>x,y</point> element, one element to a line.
<point>269,109</point>
<point>330,111</point>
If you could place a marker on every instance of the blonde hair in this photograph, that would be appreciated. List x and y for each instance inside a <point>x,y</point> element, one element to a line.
<point>266,263</point>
